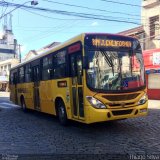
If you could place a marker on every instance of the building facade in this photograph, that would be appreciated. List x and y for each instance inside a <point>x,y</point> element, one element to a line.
<point>152,66</point>
<point>150,16</point>
<point>137,32</point>
<point>32,53</point>
<point>8,53</point>
<point>8,46</point>
<point>149,31</point>
<point>5,67</point>
<point>150,19</point>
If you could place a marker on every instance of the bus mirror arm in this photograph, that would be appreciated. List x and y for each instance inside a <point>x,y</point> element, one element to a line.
<point>85,62</point>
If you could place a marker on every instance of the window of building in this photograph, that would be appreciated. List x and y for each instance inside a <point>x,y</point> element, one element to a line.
<point>152,23</point>
<point>13,77</point>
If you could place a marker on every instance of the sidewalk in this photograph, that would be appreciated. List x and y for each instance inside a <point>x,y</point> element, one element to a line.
<point>4,94</point>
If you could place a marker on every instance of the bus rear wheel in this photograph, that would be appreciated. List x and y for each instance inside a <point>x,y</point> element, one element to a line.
<point>62,115</point>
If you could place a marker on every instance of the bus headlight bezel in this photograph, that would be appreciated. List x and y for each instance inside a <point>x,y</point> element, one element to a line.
<point>143,99</point>
<point>95,103</point>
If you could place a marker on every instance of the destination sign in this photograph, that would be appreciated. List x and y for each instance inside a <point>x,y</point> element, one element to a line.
<point>110,43</point>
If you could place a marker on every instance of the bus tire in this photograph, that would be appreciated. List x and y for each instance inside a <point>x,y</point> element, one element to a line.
<point>23,104</point>
<point>62,115</point>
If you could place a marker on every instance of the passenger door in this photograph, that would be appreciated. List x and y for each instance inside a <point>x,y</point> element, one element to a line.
<point>77,85</point>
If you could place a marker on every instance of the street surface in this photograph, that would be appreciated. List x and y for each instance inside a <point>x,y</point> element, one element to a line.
<point>34,133</point>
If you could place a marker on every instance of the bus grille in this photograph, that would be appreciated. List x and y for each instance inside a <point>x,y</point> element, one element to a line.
<point>122,112</point>
<point>121,97</point>
<point>120,105</point>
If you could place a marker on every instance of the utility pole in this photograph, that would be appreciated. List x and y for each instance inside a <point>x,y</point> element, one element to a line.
<point>15,47</point>
<point>20,57</point>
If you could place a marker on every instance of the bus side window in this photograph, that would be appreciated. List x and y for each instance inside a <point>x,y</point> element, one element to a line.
<point>15,78</point>
<point>59,65</point>
<point>21,74</point>
<point>50,67</point>
<point>47,69</point>
<point>28,73</point>
<point>76,66</point>
<point>11,78</point>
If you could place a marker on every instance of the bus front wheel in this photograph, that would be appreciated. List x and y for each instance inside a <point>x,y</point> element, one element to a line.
<point>62,115</point>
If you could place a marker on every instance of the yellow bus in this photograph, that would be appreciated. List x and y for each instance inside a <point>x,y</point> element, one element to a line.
<point>90,78</point>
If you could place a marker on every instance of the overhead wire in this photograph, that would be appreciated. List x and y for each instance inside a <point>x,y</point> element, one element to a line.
<point>3,12</point>
<point>85,16</point>
<point>148,38</point>
<point>72,19</point>
<point>144,34</point>
<point>75,14</point>
<point>122,3</point>
<point>51,17</point>
<point>48,32</point>
<point>3,3</point>
<point>95,9</point>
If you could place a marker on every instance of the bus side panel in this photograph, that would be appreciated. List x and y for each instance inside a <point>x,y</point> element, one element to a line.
<point>64,92</point>
<point>28,95</point>
<point>49,91</point>
<point>12,93</point>
<point>46,97</point>
<point>25,90</point>
<point>19,92</point>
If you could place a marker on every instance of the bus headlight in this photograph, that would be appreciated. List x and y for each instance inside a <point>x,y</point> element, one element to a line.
<point>143,99</point>
<point>95,103</point>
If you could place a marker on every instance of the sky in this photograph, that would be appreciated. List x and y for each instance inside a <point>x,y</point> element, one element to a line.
<point>35,29</point>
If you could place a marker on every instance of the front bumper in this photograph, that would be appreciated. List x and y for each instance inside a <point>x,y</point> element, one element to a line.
<point>100,115</point>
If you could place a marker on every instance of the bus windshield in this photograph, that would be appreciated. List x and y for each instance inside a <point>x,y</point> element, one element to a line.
<point>115,70</point>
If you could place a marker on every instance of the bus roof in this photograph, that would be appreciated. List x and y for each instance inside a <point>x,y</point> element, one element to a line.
<point>66,43</point>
